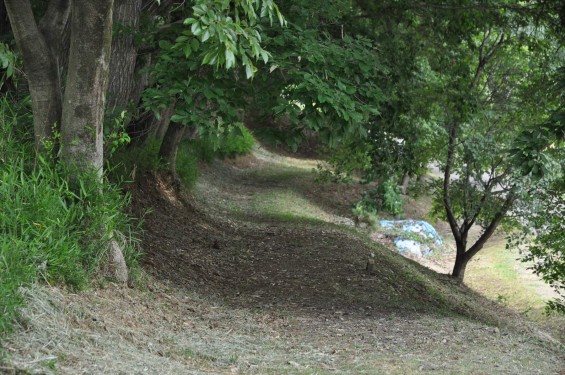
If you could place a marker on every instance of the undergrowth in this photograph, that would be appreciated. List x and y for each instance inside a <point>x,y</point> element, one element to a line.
<point>54,229</point>
<point>238,141</point>
<point>126,163</point>
<point>385,198</point>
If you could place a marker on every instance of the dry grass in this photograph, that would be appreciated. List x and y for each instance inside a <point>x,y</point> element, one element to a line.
<point>170,331</point>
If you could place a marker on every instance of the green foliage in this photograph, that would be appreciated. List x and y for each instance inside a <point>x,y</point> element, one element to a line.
<point>238,141</point>
<point>214,33</point>
<point>52,231</point>
<point>345,161</point>
<point>202,148</point>
<point>543,241</point>
<point>115,136</point>
<point>538,151</point>
<point>321,83</point>
<point>126,163</point>
<point>139,158</point>
<point>365,211</point>
<point>7,63</point>
<point>229,36</point>
<point>187,165</point>
<point>386,197</point>
<point>545,216</point>
<point>391,199</point>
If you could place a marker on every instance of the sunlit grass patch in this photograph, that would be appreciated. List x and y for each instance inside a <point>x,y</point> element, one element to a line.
<point>498,274</point>
<point>273,174</point>
<point>288,205</point>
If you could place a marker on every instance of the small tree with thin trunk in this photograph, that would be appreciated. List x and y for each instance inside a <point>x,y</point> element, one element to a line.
<point>481,181</point>
<point>474,197</point>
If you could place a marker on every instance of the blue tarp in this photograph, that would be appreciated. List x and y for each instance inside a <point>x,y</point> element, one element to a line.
<point>412,246</point>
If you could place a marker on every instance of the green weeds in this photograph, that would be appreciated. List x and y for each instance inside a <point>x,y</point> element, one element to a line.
<point>55,229</point>
<point>187,166</point>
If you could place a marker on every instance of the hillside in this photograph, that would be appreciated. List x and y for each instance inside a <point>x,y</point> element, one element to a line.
<point>259,270</point>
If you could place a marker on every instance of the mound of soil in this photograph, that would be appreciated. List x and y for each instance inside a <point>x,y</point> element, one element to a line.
<point>267,264</point>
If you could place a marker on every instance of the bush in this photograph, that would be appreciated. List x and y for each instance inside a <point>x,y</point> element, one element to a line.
<point>187,165</point>
<point>139,158</point>
<point>391,199</point>
<point>52,230</point>
<point>384,198</point>
<point>239,141</point>
<point>345,160</point>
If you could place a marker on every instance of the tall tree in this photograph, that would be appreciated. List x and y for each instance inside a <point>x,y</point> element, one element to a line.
<point>471,79</point>
<point>80,115</point>
<point>87,81</point>
<point>38,47</point>
<point>123,82</point>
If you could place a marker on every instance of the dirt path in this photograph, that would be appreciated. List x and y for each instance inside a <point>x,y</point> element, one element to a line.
<point>262,236</point>
<point>260,272</point>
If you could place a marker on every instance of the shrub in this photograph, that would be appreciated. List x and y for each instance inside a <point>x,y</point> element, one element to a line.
<point>187,165</point>
<point>384,198</point>
<point>140,158</point>
<point>391,199</point>
<point>346,160</point>
<point>238,141</point>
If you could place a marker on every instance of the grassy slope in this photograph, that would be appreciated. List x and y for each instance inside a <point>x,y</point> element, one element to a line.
<point>219,301</point>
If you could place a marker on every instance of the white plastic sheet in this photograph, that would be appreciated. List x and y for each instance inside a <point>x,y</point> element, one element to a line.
<point>412,245</point>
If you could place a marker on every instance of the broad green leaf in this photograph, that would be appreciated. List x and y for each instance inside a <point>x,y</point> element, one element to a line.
<point>187,50</point>
<point>178,118</point>
<point>230,58</point>
<point>206,35</point>
<point>196,29</point>
<point>248,70</point>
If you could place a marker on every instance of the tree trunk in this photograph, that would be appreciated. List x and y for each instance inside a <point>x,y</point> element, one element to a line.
<point>87,80</point>
<point>163,123</point>
<point>461,261</point>
<point>122,82</point>
<point>85,98</point>
<point>55,27</point>
<point>170,145</point>
<point>405,182</point>
<point>40,66</point>
<point>453,136</point>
